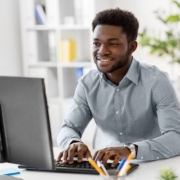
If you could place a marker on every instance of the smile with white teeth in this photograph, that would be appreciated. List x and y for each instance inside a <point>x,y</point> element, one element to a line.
<point>104,60</point>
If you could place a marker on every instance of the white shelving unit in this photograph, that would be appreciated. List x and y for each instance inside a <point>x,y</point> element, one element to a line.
<point>60,77</point>
<point>65,19</point>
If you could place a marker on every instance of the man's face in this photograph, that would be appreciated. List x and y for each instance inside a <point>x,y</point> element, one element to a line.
<point>110,48</point>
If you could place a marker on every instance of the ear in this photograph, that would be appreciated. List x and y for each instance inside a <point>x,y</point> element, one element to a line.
<point>132,46</point>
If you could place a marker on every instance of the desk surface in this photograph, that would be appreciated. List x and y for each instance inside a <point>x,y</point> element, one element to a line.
<point>146,171</point>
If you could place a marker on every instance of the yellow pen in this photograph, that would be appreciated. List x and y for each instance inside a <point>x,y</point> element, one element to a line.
<point>126,166</point>
<point>130,157</point>
<point>99,170</point>
<point>127,169</point>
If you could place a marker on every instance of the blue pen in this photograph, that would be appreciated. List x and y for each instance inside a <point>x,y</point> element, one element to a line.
<point>123,160</point>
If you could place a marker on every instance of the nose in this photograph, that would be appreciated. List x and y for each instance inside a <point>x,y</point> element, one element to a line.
<point>103,49</point>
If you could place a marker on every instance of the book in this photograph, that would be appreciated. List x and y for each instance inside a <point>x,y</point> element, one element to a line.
<point>52,12</point>
<point>52,46</point>
<point>40,14</point>
<point>9,171</point>
<point>67,50</point>
<point>79,73</point>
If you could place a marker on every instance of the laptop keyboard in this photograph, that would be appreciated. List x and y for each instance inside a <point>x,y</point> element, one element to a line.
<point>84,164</point>
<point>85,168</point>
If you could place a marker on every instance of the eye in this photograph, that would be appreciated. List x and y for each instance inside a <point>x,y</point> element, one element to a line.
<point>96,44</point>
<point>114,44</point>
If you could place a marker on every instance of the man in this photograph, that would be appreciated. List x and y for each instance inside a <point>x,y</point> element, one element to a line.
<point>132,103</point>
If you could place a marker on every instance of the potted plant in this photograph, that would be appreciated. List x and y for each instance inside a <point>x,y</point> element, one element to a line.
<point>169,45</point>
<point>167,174</point>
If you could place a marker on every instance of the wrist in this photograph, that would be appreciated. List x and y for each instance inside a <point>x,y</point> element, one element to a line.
<point>72,142</point>
<point>132,148</point>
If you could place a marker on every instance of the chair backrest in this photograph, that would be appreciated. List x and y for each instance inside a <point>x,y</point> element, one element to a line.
<point>103,140</point>
<point>98,139</point>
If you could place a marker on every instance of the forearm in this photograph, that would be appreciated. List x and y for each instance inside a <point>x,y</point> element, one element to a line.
<point>66,136</point>
<point>162,147</point>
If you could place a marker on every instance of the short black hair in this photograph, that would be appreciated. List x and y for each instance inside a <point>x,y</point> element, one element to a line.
<point>118,17</point>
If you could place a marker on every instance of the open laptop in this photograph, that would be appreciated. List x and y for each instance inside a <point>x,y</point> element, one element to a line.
<point>25,133</point>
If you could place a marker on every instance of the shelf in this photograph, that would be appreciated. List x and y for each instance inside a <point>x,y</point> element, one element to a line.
<point>76,64</point>
<point>59,27</point>
<point>60,64</point>
<point>44,64</point>
<point>41,28</point>
<point>74,27</point>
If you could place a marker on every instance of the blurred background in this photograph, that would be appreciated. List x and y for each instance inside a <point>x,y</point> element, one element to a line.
<point>52,39</point>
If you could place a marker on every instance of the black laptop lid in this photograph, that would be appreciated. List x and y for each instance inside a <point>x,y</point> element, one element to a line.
<point>25,126</point>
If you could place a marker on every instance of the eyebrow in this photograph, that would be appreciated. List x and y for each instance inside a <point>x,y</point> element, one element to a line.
<point>110,39</point>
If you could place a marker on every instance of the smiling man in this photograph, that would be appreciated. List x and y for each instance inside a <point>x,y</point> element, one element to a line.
<point>134,104</point>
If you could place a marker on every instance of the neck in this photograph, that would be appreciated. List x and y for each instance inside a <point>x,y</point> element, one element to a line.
<point>116,76</point>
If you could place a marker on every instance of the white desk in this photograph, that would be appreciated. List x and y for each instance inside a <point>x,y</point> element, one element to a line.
<point>146,171</point>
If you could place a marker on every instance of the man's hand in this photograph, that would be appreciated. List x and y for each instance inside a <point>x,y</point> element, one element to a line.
<point>78,148</point>
<point>113,153</point>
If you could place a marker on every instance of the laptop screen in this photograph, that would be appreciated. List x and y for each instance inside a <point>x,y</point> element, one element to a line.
<point>24,123</point>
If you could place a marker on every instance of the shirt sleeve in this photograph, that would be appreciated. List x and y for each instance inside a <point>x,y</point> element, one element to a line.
<point>168,113</point>
<point>76,120</point>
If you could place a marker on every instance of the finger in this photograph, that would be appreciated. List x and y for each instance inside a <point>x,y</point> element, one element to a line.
<point>107,155</point>
<point>71,153</point>
<point>116,161</point>
<point>80,153</point>
<point>59,156</point>
<point>100,155</point>
<point>65,156</point>
<point>88,154</point>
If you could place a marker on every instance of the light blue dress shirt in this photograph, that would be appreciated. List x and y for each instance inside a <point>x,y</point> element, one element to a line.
<point>143,109</point>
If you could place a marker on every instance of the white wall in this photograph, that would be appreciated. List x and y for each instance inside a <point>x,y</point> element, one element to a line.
<point>10,48</point>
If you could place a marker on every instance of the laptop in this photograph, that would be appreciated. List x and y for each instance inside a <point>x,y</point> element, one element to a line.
<point>25,132</point>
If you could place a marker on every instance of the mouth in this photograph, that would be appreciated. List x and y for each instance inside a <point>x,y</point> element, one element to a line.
<point>104,59</point>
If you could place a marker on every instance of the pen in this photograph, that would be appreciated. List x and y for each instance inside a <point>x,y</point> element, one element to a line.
<point>123,160</point>
<point>130,157</point>
<point>125,167</point>
<point>99,170</point>
<point>128,167</point>
<point>104,169</point>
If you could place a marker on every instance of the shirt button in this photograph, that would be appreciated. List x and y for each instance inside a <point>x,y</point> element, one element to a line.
<point>117,89</point>
<point>117,112</point>
<point>121,133</point>
<point>157,157</point>
<point>142,157</point>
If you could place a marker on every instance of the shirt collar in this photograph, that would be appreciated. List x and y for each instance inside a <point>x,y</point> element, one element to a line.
<point>132,73</point>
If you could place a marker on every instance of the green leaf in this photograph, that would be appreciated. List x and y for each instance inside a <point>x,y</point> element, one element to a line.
<point>176,3</point>
<point>173,18</point>
<point>161,19</point>
<point>168,174</point>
